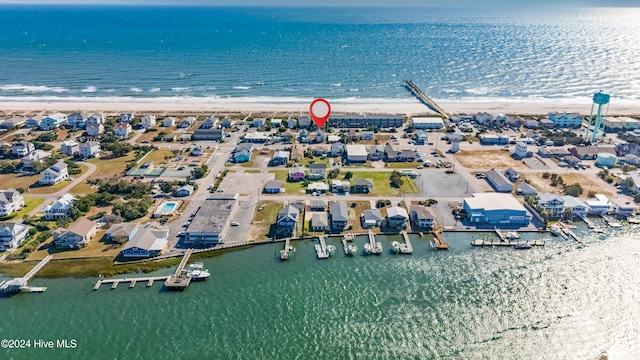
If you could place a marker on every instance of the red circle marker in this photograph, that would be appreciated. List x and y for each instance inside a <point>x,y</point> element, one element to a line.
<point>320,109</point>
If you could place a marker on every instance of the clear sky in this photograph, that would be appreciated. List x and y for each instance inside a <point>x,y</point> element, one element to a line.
<point>438,3</point>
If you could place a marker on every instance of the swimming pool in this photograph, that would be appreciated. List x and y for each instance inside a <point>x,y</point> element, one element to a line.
<point>166,208</point>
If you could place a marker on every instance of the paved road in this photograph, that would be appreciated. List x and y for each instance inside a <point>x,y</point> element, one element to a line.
<point>49,198</point>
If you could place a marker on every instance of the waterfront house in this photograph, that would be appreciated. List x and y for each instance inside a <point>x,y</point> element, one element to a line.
<point>89,149</point>
<point>339,216</point>
<point>296,173</point>
<point>273,186</point>
<point>552,203</point>
<point>22,148</point>
<point>56,173</point>
<point>187,122</point>
<point>12,235</point>
<point>94,128</point>
<point>576,205</point>
<point>292,123</point>
<point>53,121</point>
<point>421,216</point>
<point>77,120</point>
<point>319,222</point>
<point>13,123</point>
<point>495,209</point>
<point>69,147</point>
<point>169,121</point>
<point>362,186</point>
<point>304,122</point>
<point>185,190</point>
<point>498,181</point>
<point>258,122</point>
<point>60,208</point>
<point>10,201</point>
<point>601,204</point>
<point>34,157</point>
<point>371,218</point>
<point>148,121</point>
<point>623,208</point>
<point>122,129</point>
<point>210,122</point>
<point>144,241</point>
<point>287,220</point>
<point>275,123</point>
<point>280,157</point>
<point>317,171</point>
<point>484,118</point>
<point>340,186</point>
<point>365,121</point>
<point>318,187</point>
<point>337,149</point>
<point>77,236</point>
<point>33,122</point>
<point>397,217</point>
<point>565,120</point>
<point>531,124</point>
<point>318,205</point>
<point>126,118</point>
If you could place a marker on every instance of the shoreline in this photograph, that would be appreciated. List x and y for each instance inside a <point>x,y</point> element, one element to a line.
<point>407,106</point>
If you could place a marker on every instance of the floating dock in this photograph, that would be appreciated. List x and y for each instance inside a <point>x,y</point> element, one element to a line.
<point>179,281</point>
<point>373,247</point>
<point>132,281</point>
<point>425,99</point>
<point>321,248</point>
<point>349,249</point>
<point>483,242</point>
<point>611,222</point>
<point>20,284</point>
<point>439,240</point>
<point>284,253</point>
<point>406,248</point>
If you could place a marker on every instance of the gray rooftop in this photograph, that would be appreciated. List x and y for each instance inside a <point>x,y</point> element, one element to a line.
<point>213,215</point>
<point>339,211</point>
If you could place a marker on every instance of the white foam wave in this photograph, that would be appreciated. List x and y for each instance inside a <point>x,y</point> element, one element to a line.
<point>136,90</point>
<point>178,89</point>
<point>336,85</point>
<point>89,89</point>
<point>242,87</point>
<point>354,90</point>
<point>154,90</point>
<point>32,88</point>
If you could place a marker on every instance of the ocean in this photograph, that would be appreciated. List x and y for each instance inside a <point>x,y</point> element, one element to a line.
<point>98,52</point>
<point>562,301</point>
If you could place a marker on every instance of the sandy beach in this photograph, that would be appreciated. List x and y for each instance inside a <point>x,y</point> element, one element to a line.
<point>13,106</point>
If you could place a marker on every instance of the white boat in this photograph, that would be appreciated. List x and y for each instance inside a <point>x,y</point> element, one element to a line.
<point>331,249</point>
<point>367,248</point>
<point>512,235</point>
<point>395,247</point>
<point>284,254</point>
<point>198,272</point>
<point>352,249</point>
<point>555,230</point>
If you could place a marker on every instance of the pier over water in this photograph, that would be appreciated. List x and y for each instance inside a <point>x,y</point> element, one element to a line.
<point>20,284</point>
<point>425,99</point>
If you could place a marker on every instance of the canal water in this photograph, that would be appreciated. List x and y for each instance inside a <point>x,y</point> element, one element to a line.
<point>563,301</point>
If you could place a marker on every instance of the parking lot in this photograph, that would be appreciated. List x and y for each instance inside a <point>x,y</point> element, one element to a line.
<point>249,184</point>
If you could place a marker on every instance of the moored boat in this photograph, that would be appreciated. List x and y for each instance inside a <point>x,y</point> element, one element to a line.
<point>198,272</point>
<point>523,246</point>
<point>395,247</point>
<point>554,230</point>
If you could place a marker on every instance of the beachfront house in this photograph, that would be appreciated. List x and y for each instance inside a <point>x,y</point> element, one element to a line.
<point>371,218</point>
<point>339,216</point>
<point>69,147</point>
<point>60,208</point>
<point>143,241</point>
<point>10,201</point>
<point>126,117</point>
<point>397,217</point>
<point>304,122</point>
<point>22,148</point>
<point>148,121</point>
<point>187,122</point>
<point>566,120</point>
<point>169,121</point>
<point>287,221</point>
<point>227,123</point>
<point>89,149</point>
<point>12,235</point>
<point>53,121</point>
<point>77,236</point>
<point>56,173</point>
<point>94,126</point>
<point>77,120</point>
<point>122,129</point>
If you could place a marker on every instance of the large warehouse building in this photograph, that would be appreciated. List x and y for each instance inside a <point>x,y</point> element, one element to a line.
<point>496,209</point>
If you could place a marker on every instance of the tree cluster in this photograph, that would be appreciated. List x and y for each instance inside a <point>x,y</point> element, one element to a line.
<point>396,179</point>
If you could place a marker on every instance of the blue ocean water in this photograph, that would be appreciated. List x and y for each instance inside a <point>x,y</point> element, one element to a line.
<point>97,51</point>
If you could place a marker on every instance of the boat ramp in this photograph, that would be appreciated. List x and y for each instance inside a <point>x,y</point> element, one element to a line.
<point>425,99</point>
<point>20,284</point>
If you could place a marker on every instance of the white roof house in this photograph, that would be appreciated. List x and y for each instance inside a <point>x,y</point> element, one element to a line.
<point>356,153</point>
<point>59,208</point>
<point>427,122</point>
<point>54,174</point>
<point>495,209</point>
<point>600,205</point>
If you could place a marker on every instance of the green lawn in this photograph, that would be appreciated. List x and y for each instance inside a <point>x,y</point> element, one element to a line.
<point>29,204</point>
<point>402,165</point>
<point>269,212</point>
<point>157,156</point>
<point>111,167</point>
<point>315,160</point>
<point>381,185</point>
<point>291,187</point>
<point>57,187</point>
<point>252,171</point>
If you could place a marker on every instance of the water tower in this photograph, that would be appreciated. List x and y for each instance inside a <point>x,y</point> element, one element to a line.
<point>602,101</point>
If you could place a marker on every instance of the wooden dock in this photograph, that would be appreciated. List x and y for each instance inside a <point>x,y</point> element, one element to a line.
<point>566,233</point>
<point>425,99</point>
<point>406,247</point>
<point>321,248</point>
<point>284,253</point>
<point>375,247</point>
<point>132,281</point>
<point>483,242</point>
<point>20,284</point>
<point>611,222</point>
<point>179,281</point>
<point>439,240</point>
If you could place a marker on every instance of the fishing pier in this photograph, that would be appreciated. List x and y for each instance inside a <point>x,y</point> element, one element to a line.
<point>20,284</point>
<point>425,99</point>
<point>177,281</point>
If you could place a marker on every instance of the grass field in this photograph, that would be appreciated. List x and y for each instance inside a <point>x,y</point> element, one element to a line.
<point>290,187</point>
<point>382,186</point>
<point>315,160</point>
<point>355,212</point>
<point>15,181</point>
<point>111,167</point>
<point>95,248</point>
<point>264,219</point>
<point>29,204</point>
<point>158,157</point>
<point>402,165</point>
<point>489,159</point>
